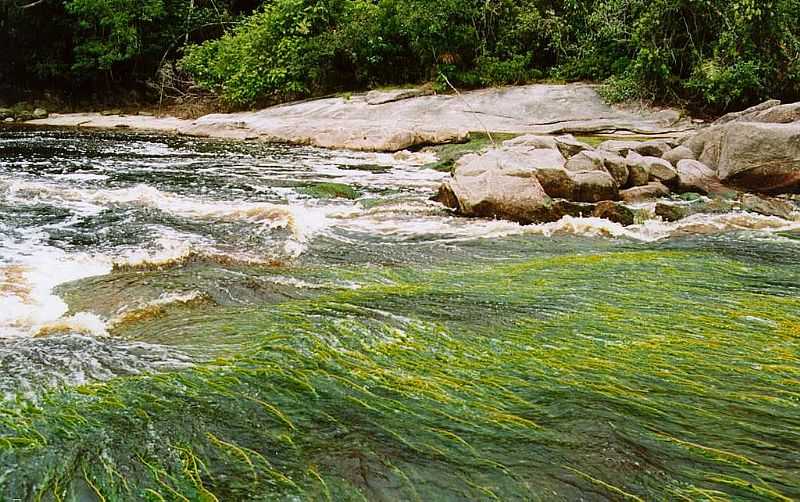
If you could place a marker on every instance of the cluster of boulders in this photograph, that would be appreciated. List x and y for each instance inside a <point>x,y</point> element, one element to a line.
<point>532,178</point>
<point>9,115</point>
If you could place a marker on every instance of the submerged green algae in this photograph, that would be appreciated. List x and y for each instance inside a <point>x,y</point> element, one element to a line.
<point>623,375</point>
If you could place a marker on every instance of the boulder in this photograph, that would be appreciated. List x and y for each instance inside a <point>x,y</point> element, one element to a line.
<point>730,117</point>
<point>616,212</point>
<point>657,169</point>
<point>569,146</point>
<point>771,111</point>
<point>761,157</point>
<point>40,113</point>
<point>8,120</point>
<point>694,176</point>
<point>594,186</point>
<point>768,206</point>
<point>638,170</point>
<point>675,210</point>
<point>617,166</point>
<point>6,113</point>
<point>661,170</point>
<point>481,189</point>
<point>677,154</point>
<point>644,193</point>
<point>652,148</point>
<point>589,160</point>
<point>530,142</point>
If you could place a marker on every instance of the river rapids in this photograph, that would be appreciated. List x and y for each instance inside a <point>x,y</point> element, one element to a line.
<point>187,319</point>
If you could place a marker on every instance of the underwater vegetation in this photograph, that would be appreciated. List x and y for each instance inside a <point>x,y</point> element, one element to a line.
<point>625,374</point>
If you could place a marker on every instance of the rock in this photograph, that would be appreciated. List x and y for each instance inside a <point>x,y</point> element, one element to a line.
<point>661,170</point>
<point>379,97</point>
<point>586,161</point>
<point>618,147</point>
<point>8,120</point>
<point>618,168</point>
<point>767,206</point>
<point>616,212</point>
<point>771,111</point>
<point>653,148</point>
<point>644,193</point>
<point>638,170</point>
<point>483,186</point>
<point>656,168</point>
<point>694,176</point>
<point>6,113</point>
<point>563,207</point>
<point>557,182</point>
<point>677,154</point>
<point>569,146</point>
<point>751,155</point>
<point>143,113</point>
<point>414,122</point>
<point>23,116</point>
<point>530,142</point>
<point>40,113</point>
<point>113,111</point>
<point>730,117</point>
<point>674,211</point>
<point>594,186</point>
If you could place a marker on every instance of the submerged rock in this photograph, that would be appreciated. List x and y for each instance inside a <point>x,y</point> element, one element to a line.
<point>616,212</point>
<point>768,206</point>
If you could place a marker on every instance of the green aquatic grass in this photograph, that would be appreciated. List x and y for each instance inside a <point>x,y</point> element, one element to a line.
<point>449,153</point>
<point>630,375</point>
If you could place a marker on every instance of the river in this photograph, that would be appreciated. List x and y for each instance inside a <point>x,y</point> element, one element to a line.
<point>188,319</point>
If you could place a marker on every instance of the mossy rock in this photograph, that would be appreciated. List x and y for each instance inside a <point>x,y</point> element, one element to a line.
<point>330,191</point>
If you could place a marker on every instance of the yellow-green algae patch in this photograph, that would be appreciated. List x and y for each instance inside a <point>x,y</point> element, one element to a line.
<point>642,375</point>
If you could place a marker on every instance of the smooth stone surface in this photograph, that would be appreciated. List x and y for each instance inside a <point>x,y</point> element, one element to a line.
<point>356,124</point>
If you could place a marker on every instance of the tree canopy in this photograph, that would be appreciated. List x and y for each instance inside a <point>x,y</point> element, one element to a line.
<point>714,54</point>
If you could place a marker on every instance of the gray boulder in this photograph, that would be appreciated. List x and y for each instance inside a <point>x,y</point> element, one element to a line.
<point>677,154</point>
<point>588,160</point>
<point>694,176</point>
<point>645,193</point>
<point>485,186</point>
<point>771,111</point>
<point>638,170</point>
<point>658,169</point>
<point>652,148</point>
<point>530,142</point>
<point>40,113</point>
<point>594,186</point>
<point>569,146</point>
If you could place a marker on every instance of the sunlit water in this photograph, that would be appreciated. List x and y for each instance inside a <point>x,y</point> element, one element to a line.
<point>131,254</point>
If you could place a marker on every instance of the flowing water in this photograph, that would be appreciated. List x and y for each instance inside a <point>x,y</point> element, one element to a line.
<point>183,319</point>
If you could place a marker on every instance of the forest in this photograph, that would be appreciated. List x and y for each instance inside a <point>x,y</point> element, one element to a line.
<point>709,55</point>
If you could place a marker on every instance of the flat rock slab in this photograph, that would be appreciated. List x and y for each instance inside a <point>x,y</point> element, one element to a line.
<point>405,120</point>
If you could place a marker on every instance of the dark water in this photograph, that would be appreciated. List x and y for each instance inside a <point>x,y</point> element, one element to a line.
<point>196,320</point>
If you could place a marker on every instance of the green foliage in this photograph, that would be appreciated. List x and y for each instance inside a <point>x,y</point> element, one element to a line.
<point>717,54</point>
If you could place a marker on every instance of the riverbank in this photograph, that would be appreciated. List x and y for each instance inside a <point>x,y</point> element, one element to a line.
<point>390,121</point>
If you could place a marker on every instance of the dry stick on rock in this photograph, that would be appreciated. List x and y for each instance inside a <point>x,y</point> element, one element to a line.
<point>485,129</point>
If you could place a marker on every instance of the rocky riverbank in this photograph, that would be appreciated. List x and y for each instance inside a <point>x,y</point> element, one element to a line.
<point>395,120</point>
<point>535,178</point>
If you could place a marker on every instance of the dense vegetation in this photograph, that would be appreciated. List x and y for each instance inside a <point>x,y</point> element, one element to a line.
<point>717,54</point>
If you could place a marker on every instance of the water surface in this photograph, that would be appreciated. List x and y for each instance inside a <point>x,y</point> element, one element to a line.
<point>192,319</point>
